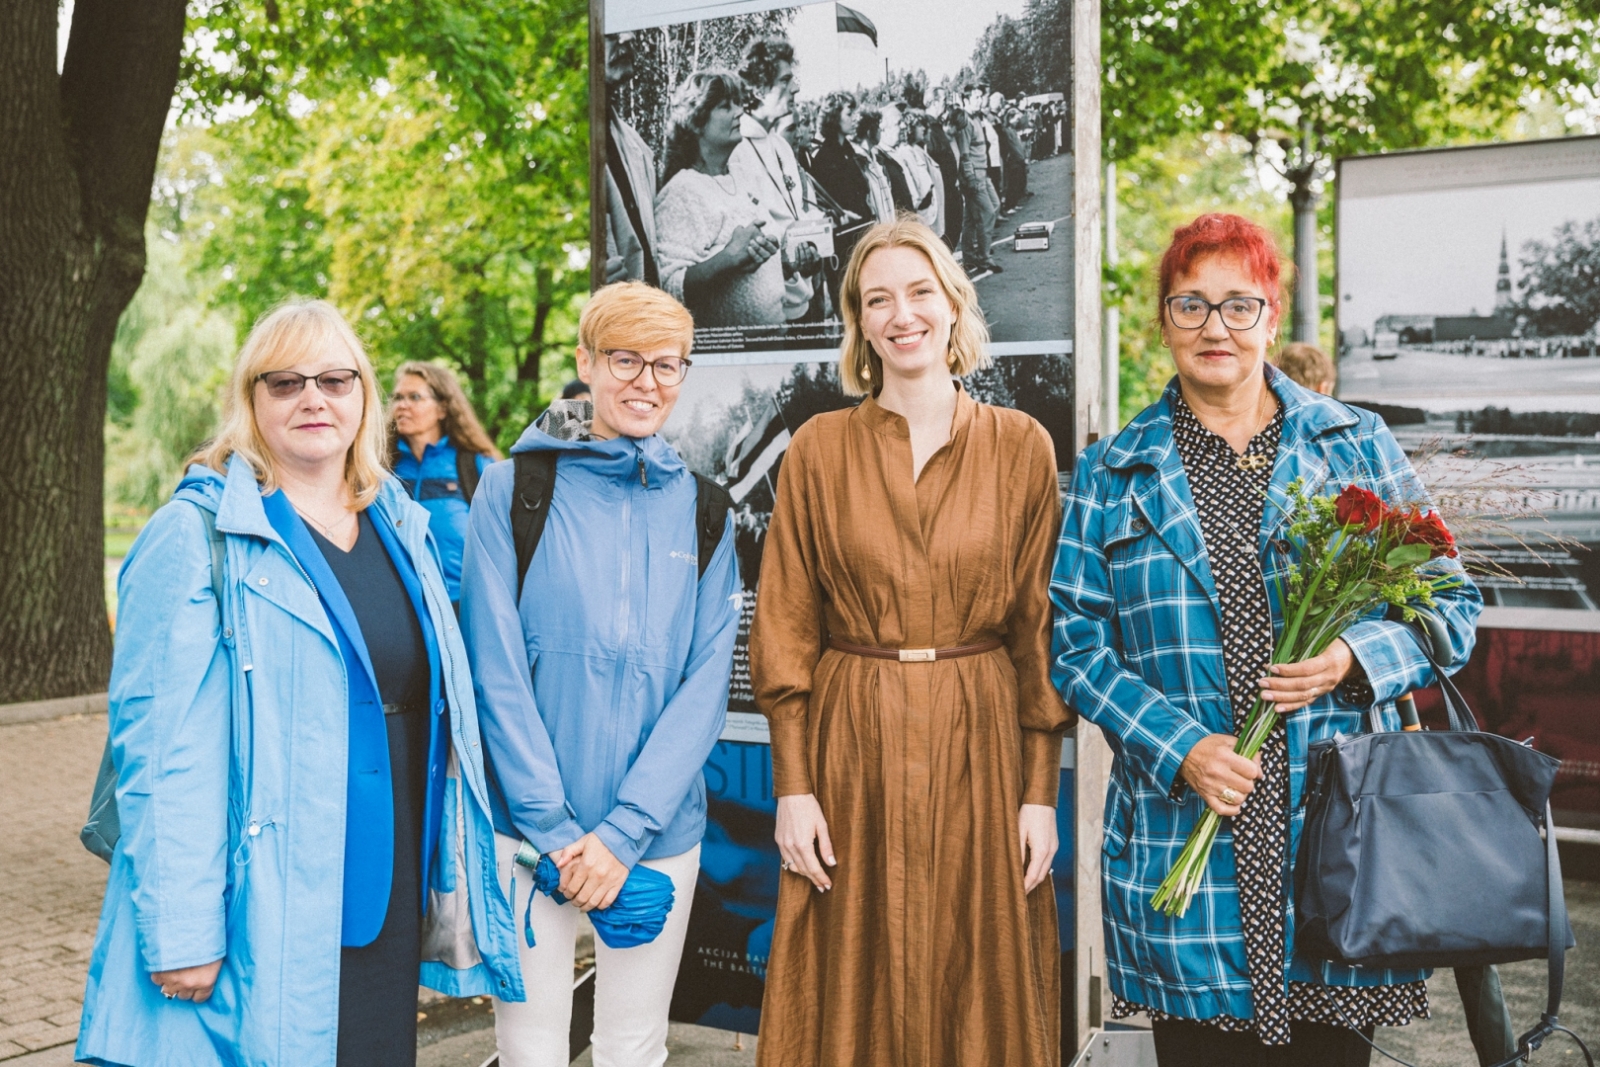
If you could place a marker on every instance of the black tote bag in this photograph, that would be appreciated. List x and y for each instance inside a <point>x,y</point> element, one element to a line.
<point>1422,849</point>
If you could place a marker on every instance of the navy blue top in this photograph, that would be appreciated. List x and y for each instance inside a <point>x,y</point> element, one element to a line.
<point>383,611</point>
<point>432,482</point>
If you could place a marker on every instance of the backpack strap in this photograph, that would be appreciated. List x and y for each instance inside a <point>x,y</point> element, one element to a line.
<point>466,473</point>
<point>530,505</point>
<point>711,506</point>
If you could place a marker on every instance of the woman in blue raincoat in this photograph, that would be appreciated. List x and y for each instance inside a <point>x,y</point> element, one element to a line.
<point>305,825</point>
<point>603,679</point>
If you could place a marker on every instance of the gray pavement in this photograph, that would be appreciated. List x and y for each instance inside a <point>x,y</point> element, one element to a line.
<point>50,891</point>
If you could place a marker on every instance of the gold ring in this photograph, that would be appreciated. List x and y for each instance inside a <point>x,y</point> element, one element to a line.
<point>1230,797</point>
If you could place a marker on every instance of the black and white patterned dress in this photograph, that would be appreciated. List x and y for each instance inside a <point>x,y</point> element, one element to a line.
<point>1230,495</point>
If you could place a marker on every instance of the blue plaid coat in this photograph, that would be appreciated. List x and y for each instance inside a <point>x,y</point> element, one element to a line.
<point>1137,649</point>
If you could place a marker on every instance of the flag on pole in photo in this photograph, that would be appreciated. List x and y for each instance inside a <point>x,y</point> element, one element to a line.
<point>852,21</point>
<point>755,447</point>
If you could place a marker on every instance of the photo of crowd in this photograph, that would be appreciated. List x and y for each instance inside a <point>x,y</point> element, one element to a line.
<point>739,184</point>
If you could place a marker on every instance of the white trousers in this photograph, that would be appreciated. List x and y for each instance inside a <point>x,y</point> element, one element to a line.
<point>633,986</point>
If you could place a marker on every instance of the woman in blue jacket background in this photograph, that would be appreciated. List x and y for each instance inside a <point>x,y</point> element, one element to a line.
<point>300,779</point>
<point>603,679</point>
<point>438,450</point>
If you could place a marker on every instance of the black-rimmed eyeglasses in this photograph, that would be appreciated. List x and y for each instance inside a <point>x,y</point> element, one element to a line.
<point>626,366</point>
<point>283,384</point>
<point>1236,312</point>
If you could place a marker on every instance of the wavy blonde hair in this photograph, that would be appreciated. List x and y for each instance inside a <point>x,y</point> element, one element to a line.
<point>460,423</point>
<point>860,366</point>
<point>281,338</point>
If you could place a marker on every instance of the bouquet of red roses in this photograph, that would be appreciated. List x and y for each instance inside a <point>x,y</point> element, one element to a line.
<point>1350,552</point>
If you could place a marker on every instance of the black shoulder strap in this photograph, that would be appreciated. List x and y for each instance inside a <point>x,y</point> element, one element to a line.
<point>711,506</point>
<point>466,473</point>
<point>530,505</point>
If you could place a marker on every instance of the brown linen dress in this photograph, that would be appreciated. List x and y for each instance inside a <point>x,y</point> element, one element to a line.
<point>926,950</point>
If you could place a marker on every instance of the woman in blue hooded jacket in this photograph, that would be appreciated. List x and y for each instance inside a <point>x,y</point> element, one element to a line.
<point>602,677</point>
<point>305,818</point>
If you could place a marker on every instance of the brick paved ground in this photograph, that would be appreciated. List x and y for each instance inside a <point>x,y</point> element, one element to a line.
<point>50,888</point>
<point>50,891</point>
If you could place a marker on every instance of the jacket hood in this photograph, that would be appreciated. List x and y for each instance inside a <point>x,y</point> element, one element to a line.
<point>564,428</point>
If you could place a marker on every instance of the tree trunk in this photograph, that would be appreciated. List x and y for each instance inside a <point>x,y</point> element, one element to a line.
<point>1307,304</point>
<point>77,158</point>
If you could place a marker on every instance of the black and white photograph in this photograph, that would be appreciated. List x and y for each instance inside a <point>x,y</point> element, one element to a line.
<point>747,152</point>
<point>1469,318</point>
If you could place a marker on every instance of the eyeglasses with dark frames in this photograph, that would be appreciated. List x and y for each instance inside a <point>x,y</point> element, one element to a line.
<point>284,384</point>
<point>626,366</point>
<point>1236,312</point>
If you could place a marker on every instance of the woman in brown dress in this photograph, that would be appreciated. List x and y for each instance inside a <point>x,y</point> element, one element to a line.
<point>900,652</point>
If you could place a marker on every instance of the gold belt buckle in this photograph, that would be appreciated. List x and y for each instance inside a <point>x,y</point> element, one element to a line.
<point>918,655</point>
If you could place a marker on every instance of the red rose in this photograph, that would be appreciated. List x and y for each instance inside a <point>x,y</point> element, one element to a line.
<point>1430,530</point>
<point>1359,507</point>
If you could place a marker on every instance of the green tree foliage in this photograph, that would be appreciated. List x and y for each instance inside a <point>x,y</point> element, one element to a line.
<point>1337,76</point>
<point>1561,279</point>
<point>425,168</point>
<point>169,366</point>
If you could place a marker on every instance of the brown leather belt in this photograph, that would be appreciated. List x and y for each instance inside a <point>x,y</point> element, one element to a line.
<point>915,655</point>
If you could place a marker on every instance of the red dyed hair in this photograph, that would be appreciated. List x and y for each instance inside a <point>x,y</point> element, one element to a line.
<point>1231,236</point>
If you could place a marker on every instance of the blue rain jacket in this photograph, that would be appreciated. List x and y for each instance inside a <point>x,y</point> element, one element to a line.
<point>231,743</point>
<point>603,690</point>
<point>1137,649</point>
<point>431,481</point>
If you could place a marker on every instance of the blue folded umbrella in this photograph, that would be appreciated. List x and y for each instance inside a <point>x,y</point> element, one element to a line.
<point>634,918</point>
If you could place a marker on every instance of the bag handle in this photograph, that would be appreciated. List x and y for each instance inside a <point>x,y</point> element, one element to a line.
<point>1461,716</point>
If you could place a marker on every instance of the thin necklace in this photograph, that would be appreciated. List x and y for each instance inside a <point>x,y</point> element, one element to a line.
<point>327,531</point>
<point>1255,461</point>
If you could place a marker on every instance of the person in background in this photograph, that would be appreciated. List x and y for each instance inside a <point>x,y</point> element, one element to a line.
<point>986,109</point>
<point>716,254</point>
<point>765,160</point>
<point>889,192</point>
<point>1016,159</point>
<point>900,652</point>
<point>577,389</point>
<point>603,675</point>
<point>285,875</point>
<point>630,179</point>
<point>938,145</point>
<point>921,172</point>
<point>438,449</point>
<point>1309,366</point>
<point>840,174</point>
<point>981,204</point>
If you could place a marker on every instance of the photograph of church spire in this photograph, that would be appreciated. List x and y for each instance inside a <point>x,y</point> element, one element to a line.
<point>1501,325</point>
<point>1468,286</point>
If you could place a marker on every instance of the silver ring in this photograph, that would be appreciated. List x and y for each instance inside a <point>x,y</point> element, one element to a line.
<point>169,996</point>
<point>1229,797</point>
<point>784,865</point>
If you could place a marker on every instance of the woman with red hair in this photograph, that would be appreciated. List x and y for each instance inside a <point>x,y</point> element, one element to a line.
<point>1164,630</point>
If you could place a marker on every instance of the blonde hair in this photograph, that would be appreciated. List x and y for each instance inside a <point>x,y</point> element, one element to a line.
<point>636,317</point>
<point>281,338</point>
<point>1307,364</point>
<point>860,366</point>
<point>460,422</point>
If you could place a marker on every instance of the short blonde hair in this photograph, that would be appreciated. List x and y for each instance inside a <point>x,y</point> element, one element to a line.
<point>1307,364</point>
<point>860,366</point>
<point>281,338</point>
<point>636,317</point>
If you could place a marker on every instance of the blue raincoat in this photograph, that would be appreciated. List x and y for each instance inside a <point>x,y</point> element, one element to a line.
<point>431,481</point>
<point>231,743</point>
<point>605,687</point>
